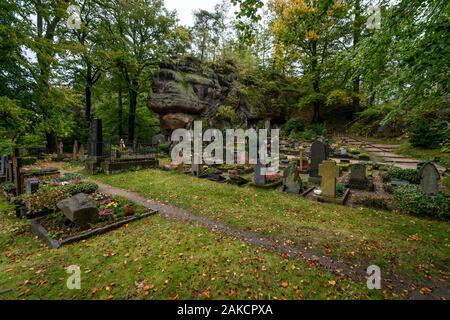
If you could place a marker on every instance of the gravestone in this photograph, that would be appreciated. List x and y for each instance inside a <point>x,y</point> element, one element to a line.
<point>96,139</point>
<point>60,148</point>
<point>329,171</point>
<point>358,175</point>
<point>32,185</point>
<point>9,171</point>
<point>75,150</point>
<point>79,209</point>
<point>4,165</point>
<point>259,178</point>
<point>319,153</point>
<point>292,183</point>
<point>158,139</point>
<point>429,179</point>
<point>296,145</point>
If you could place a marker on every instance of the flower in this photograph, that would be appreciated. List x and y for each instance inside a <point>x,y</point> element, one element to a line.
<point>105,212</point>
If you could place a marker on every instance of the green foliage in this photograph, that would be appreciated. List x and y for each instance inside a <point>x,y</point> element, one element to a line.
<point>82,187</point>
<point>27,161</point>
<point>410,175</point>
<point>411,200</point>
<point>45,199</point>
<point>426,133</point>
<point>340,189</point>
<point>376,201</point>
<point>70,176</point>
<point>9,187</point>
<point>227,115</point>
<point>295,125</point>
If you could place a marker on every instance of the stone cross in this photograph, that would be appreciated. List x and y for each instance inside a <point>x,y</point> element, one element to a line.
<point>329,171</point>
<point>429,179</point>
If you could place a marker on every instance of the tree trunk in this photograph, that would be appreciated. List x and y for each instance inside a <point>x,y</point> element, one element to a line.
<point>356,37</point>
<point>88,93</point>
<point>132,114</point>
<point>316,84</point>
<point>120,113</point>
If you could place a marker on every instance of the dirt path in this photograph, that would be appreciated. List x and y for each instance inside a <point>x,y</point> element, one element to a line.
<point>312,256</point>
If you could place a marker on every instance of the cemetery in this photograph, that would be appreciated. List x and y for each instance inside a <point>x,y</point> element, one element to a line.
<point>241,155</point>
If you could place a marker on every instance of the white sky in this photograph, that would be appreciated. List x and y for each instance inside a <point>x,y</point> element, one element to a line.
<point>186,7</point>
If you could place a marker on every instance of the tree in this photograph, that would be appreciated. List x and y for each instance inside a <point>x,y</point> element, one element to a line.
<point>138,35</point>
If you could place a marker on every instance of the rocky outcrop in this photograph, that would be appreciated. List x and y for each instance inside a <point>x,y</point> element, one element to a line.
<point>184,90</point>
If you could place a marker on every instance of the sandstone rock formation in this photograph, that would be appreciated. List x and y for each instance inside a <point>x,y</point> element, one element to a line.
<point>185,90</point>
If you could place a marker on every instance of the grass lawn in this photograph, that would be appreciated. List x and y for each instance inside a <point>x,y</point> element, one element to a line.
<point>424,154</point>
<point>412,247</point>
<point>156,258</point>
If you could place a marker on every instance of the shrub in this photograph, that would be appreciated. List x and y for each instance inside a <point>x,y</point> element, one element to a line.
<point>28,161</point>
<point>340,189</point>
<point>410,175</point>
<point>426,133</point>
<point>83,187</point>
<point>9,187</point>
<point>411,200</point>
<point>164,148</point>
<point>295,125</point>
<point>69,177</point>
<point>45,199</point>
<point>375,201</point>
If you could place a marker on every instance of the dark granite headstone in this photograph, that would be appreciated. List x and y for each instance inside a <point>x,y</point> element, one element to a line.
<point>259,178</point>
<point>319,153</point>
<point>32,185</point>
<point>79,209</point>
<point>9,171</point>
<point>96,139</point>
<point>292,183</point>
<point>429,179</point>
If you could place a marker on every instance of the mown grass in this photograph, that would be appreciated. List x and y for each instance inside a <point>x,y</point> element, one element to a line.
<point>412,247</point>
<point>156,258</point>
<point>407,149</point>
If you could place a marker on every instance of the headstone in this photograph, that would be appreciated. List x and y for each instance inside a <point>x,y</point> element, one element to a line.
<point>81,153</point>
<point>296,145</point>
<point>358,178</point>
<point>319,153</point>
<point>292,183</point>
<point>9,171</point>
<point>96,139</point>
<point>329,171</point>
<point>259,177</point>
<point>32,185</point>
<point>343,151</point>
<point>4,165</point>
<point>158,139</point>
<point>79,209</point>
<point>60,148</point>
<point>429,179</point>
<point>75,150</point>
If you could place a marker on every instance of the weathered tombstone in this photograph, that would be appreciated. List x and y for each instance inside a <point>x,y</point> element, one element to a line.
<point>296,145</point>
<point>358,174</point>
<point>75,150</point>
<point>343,151</point>
<point>96,140</point>
<point>259,178</point>
<point>329,171</point>
<point>31,185</point>
<point>81,153</point>
<point>4,164</point>
<point>429,179</point>
<point>158,139</point>
<point>292,183</point>
<point>60,148</point>
<point>319,153</point>
<point>9,171</point>
<point>79,209</point>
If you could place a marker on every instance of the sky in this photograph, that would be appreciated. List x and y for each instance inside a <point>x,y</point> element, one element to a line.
<point>186,7</point>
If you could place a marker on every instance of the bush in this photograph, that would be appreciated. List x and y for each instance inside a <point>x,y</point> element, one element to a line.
<point>295,125</point>
<point>411,200</point>
<point>312,131</point>
<point>28,161</point>
<point>45,199</point>
<point>164,148</point>
<point>83,187</point>
<point>426,133</point>
<point>69,177</point>
<point>9,187</point>
<point>410,175</point>
<point>375,201</point>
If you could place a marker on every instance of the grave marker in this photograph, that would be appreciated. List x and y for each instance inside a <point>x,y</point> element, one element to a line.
<point>329,171</point>
<point>292,183</point>
<point>429,179</point>
<point>259,178</point>
<point>319,153</point>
